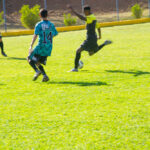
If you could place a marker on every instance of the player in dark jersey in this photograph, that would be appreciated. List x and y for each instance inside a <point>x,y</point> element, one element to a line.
<point>2,46</point>
<point>90,44</point>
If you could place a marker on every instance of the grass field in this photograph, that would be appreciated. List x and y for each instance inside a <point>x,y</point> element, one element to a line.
<point>103,107</point>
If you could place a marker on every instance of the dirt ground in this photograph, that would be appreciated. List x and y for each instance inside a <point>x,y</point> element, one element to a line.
<point>104,9</point>
<point>60,5</point>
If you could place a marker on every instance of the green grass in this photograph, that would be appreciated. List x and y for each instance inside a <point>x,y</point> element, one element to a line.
<point>103,107</point>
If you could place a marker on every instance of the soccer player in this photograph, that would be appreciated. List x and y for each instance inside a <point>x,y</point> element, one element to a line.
<point>2,46</point>
<point>90,44</point>
<point>46,31</point>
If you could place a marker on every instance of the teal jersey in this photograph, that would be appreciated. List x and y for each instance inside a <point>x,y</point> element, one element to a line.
<point>46,31</point>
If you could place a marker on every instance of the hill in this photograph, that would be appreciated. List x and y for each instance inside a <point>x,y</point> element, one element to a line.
<point>105,9</point>
<point>60,5</point>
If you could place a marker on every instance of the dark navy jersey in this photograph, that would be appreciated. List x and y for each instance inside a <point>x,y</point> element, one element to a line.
<point>0,36</point>
<point>91,25</point>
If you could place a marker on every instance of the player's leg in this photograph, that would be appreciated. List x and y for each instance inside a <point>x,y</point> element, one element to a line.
<point>45,77</point>
<point>41,68</point>
<point>43,61</point>
<point>33,65</point>
<point>2,48</point>
<point>100,47</point>
<point>37,74</point>
<point>108,42</point>
<point>77,58</point>
<point>33,60</point>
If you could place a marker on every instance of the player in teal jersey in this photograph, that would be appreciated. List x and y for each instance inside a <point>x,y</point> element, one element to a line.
<point>46,31</point>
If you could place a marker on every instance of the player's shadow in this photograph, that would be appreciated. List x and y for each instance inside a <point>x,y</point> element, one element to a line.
<point>16,58</point>
<point>96,83</point>
<point>88,71</point>
<point>2,84</point>
<point>135,73</point>
<point>13,58</point>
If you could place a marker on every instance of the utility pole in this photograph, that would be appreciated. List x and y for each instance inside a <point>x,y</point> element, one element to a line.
<point>149,7</point>
<point>82,3</point>
<point>5,21</point>
<point>45,4</point>
<point>117,9</point>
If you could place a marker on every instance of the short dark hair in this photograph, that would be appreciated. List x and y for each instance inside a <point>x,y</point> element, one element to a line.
<point>43,13</point>
<point>87,7</point>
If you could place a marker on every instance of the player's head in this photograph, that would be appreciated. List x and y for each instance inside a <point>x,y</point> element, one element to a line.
<point>87,10</point>
<point>43,13</point>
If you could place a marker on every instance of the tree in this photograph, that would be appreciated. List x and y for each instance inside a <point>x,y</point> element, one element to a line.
<point>1,18</point>
<point>29,17</point>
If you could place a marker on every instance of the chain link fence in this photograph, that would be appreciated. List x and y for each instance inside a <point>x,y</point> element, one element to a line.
<point>105,10</point>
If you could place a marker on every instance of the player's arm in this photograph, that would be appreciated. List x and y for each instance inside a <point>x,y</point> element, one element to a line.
<point>99,30</point>
<point>54,31</point>
<point>32,43</point>
<point>99,33</point>
<point>76,13</point>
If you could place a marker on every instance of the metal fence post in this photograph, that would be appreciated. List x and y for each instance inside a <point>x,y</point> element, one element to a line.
<point>117,9</point>
<point>45,4</point>
<point>5,21</point>
<point>149,7</point>
<point>82,3</point>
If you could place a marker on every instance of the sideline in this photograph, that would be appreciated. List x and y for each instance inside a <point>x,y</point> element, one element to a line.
<point>81,27</point>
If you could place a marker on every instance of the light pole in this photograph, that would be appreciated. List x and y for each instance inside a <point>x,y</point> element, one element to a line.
<point>45,4</point>
<point>82,3</point>
<point>117,9</point>
<point>5,21</point>
<point>149,7</point>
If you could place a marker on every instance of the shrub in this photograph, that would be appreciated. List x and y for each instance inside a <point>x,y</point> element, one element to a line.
<point>29,17</point>
<point>1,18</point>
<point>137,11</point>
<point>69,20</point>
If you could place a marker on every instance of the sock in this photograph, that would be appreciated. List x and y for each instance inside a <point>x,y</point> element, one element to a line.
<point>2,47</point>
<point>78,56</point>
<point>32,64</point>
<point>42,70</point>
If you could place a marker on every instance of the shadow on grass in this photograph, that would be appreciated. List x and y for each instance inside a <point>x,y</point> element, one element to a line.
<point>88,71</point>
<point>135,73</point>
<point>1,84</point>
<point>96,83</point>
<point>14,58</point>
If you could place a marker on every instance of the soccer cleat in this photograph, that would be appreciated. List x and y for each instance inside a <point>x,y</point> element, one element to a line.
<point>74,70</point>
<point>37,74</point>
<point>3,53</point>
<point>108,42</point>
<point>45,79</point>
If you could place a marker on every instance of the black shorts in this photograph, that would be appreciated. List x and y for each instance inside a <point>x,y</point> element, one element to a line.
<point>90,45</point>
<point>38,59</point>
